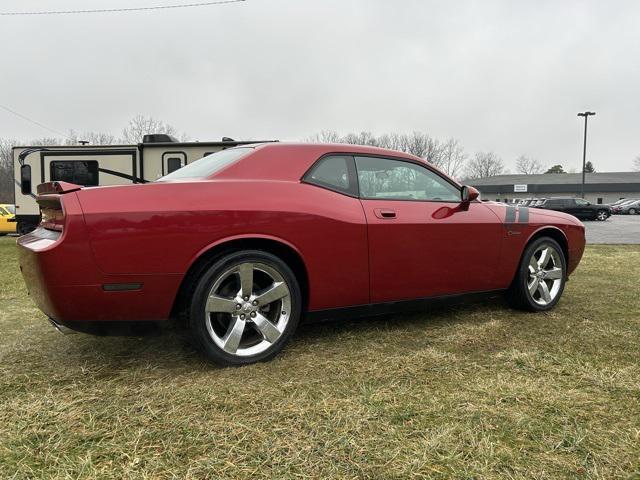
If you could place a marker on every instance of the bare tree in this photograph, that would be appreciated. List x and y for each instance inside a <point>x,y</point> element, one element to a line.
<point>392,141</point>
<point>528,165</point>
<point>484,164</point>
<point>636,164</point>
<point>417,143</point>
<point>362,138</point>
<point>93,138</point>
<point>6,170</point>
<point>41,141</point>
<point>325,136</point>
<point>451,157</point>
<point>139,126</point>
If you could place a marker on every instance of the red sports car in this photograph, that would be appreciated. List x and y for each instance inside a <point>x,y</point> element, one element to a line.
<point>249,240</point>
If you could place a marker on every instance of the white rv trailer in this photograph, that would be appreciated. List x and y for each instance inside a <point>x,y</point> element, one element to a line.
<point>88,165</point>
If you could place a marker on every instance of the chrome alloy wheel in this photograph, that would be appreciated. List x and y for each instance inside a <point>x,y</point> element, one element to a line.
<point>247,309</point>
<point>545,275</point>
<point>602,215</point>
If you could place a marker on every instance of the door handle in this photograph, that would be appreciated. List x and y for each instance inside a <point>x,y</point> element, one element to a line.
<point>384,213</point>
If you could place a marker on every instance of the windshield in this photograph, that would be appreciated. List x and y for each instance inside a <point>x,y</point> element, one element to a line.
<point>11,208</point>
<point>207,166</point>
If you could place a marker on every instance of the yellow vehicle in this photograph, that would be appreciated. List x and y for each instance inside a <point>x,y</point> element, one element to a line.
<point>7,212</point>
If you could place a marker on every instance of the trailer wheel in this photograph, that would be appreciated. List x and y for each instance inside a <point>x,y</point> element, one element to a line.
<point>25,227</point>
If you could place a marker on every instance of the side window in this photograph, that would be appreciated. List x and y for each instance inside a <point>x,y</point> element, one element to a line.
<point>3,212</point>
<point>80,172</point>
<point>398,180</point>
<point>581,203</point>
<point>173,164</point>
<point>333,172</point>
<point>25,179</point>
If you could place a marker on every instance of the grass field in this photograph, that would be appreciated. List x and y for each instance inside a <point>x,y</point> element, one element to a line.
<point>477,391</point>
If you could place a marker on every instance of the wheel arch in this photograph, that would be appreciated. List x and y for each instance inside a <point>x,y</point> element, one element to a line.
<point>553,232</point>
<point>212,252</point>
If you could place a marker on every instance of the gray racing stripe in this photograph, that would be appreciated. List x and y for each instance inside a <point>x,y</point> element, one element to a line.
<point>510,215</point>
<point>523,216</point>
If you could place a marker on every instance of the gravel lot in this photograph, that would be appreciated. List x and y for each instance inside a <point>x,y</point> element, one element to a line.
<point>617,229</point>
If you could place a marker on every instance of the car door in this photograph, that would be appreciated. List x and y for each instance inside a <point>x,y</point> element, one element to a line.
<point>571,208</point>
<point>422,243</point>
<point>583,209</point>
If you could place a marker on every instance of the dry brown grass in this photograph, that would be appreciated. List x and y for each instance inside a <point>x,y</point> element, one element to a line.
<point>477,391</point>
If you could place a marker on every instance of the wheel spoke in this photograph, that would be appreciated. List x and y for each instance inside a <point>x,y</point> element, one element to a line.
<point>268,330</point>
<point>554,274</point>
<point>245,271</point>
<point>533,286</point>
<point>544,292</point>
<point>544,258</point>
<point>231,340</point>
<point>533,264</point>
<point>220,304</point>
<point>277,291</point>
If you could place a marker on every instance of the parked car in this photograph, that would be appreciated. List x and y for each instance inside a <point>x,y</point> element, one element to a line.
<point>631,207</point>
<point>245,242</point>
<point>578,207</point>
<point>618,202</point>
<point>7,215</point>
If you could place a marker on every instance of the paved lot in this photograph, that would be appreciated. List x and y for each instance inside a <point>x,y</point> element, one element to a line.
<point>617,229</point>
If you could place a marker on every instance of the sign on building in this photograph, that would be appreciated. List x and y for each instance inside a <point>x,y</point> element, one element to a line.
<point>520,188</point>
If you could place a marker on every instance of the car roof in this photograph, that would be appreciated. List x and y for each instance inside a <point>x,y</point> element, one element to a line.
<point>289,161</point>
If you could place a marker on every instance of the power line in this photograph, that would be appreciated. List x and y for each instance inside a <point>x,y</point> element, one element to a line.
<point>34,122</point>
<point>116,10</point>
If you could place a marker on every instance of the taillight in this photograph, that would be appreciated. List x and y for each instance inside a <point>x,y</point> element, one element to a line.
<point>52,212</point>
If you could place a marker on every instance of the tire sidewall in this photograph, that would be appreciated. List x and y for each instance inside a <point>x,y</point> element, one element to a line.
<point>523,274</point>
<point>198,318</point>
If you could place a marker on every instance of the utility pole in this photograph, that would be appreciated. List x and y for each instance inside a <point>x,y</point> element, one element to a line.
<point>584,147</point>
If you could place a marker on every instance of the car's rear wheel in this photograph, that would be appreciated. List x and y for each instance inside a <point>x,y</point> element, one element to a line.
<point>602,215</point>
<point>541,276</point>
<point>245,308</point>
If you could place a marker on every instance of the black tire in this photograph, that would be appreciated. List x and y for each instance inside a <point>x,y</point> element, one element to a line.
<point>518,294</point>
<point>601,215</point>
<point>198,318</point>
<point>25,227</point>
<point>632,211</point>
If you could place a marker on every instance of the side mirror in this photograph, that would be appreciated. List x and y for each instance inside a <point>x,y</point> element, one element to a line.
<point>468,194</point>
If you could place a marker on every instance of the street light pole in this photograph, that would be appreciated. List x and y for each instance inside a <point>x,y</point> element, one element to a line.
<point>584,147</point>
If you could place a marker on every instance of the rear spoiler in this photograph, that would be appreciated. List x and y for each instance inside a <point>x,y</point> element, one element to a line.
<point>57,188</point>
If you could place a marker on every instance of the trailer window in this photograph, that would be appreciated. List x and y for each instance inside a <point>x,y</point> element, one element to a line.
<point>207,166</point>
<point>79,172</point>
<point>25,179</point>
<point>173,164</point>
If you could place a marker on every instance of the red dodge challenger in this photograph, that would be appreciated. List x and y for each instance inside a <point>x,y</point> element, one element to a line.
<point>249,240</point>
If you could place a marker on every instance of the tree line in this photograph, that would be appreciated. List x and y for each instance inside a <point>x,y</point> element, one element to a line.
<point>448,155</point>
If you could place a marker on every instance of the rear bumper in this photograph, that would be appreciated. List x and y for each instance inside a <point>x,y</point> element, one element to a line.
<point>65,283</point>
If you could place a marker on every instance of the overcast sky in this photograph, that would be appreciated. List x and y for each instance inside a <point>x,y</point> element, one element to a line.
<point>507,76</point>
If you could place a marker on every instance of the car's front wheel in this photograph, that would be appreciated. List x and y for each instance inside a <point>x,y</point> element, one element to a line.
<point>541,276</point>
<point>602,215</point>
<point>632,211</point>
<point>245,308</point>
